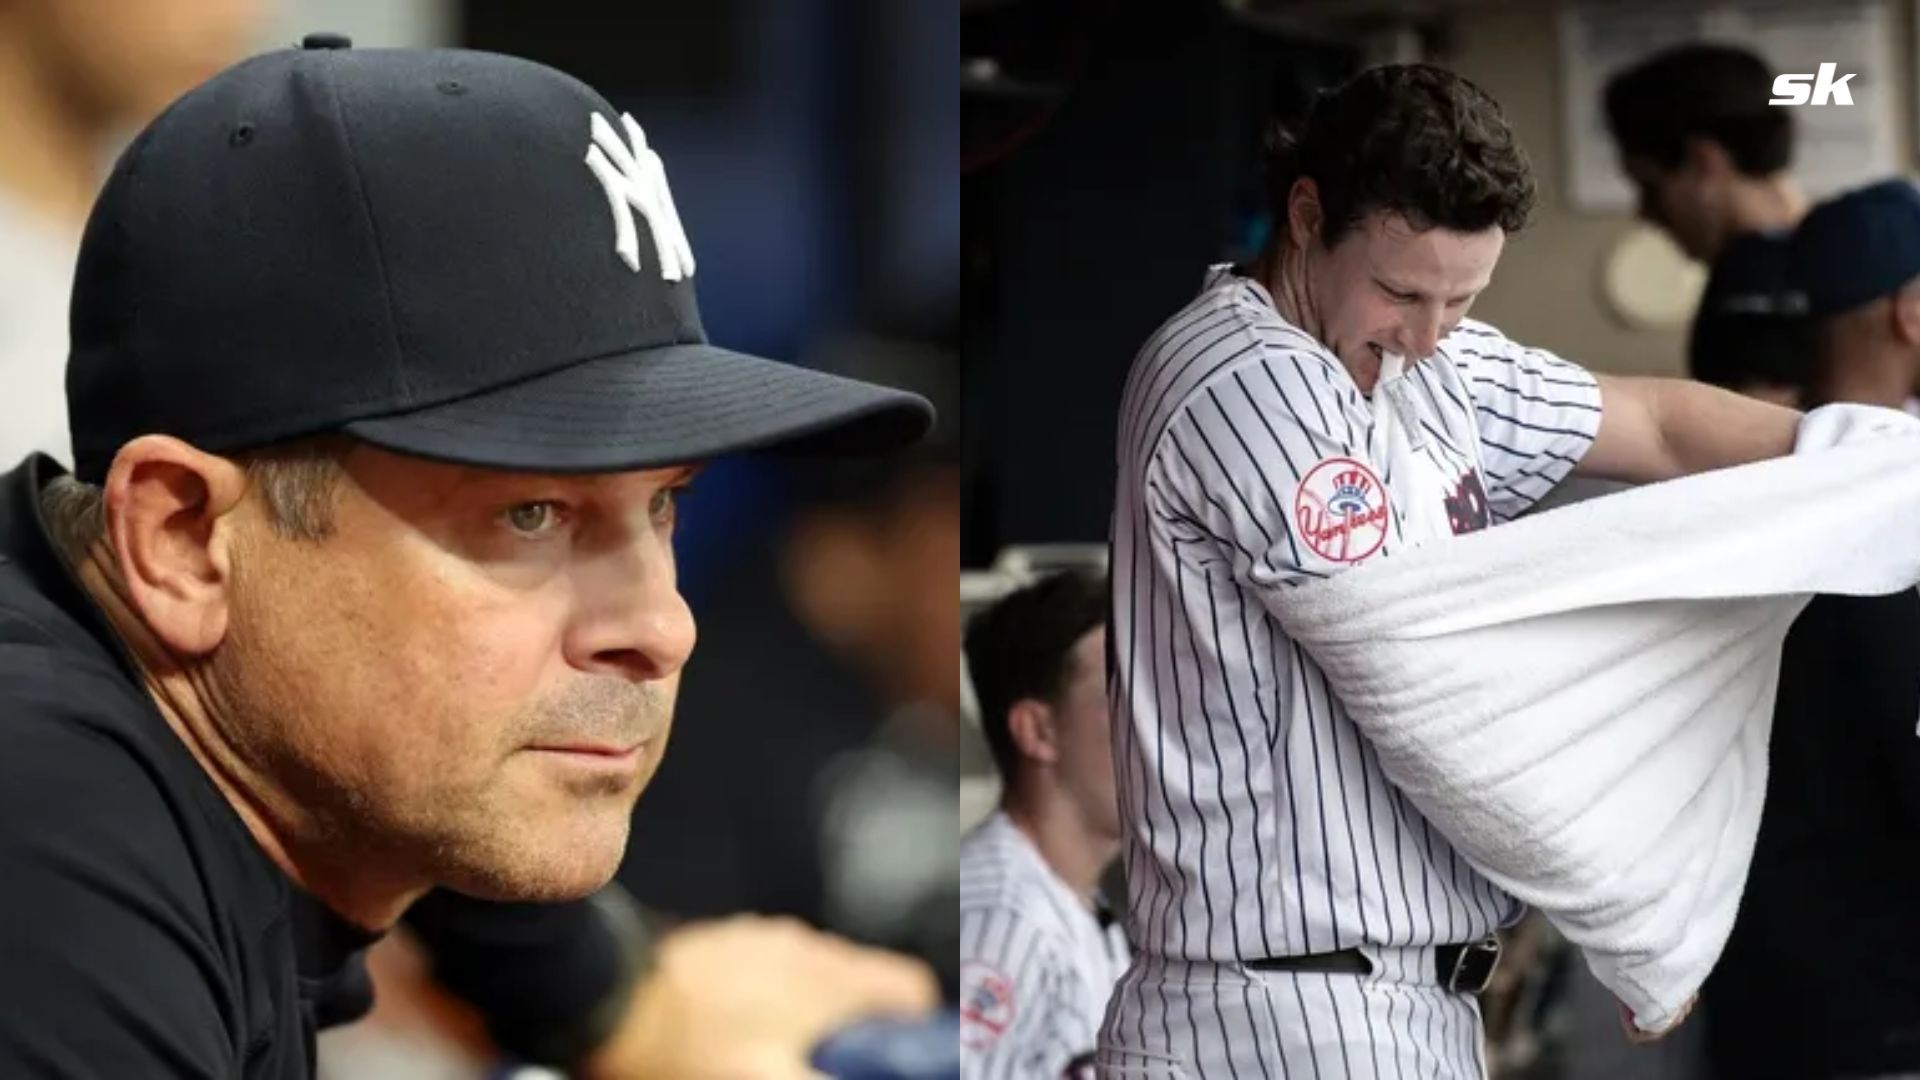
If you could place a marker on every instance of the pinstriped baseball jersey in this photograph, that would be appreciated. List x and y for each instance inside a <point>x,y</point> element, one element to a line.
<point>1258,822</point>
<point>1036,964</point>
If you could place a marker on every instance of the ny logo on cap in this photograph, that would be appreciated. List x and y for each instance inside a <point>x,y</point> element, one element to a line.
<point>636,179</point>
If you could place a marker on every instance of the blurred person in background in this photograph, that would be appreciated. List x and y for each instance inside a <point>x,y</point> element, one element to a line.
<point>74,75</point>
<point>1039,948</point>
<point>1711,161</point>
<point>846,735</point>
<point>1857,259</point>
<point>1827,900</point>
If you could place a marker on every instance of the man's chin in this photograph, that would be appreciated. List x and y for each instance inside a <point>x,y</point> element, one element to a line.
<point>547,866</point>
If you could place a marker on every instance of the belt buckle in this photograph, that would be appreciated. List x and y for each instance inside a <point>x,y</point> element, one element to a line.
<point>1473,967</point>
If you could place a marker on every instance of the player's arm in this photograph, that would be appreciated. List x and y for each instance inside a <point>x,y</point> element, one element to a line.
<point>1657,429</point>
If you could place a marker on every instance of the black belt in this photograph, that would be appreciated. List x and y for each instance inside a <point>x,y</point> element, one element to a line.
<point>1465,969</point>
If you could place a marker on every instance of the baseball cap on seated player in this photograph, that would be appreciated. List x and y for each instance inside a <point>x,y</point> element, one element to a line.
<point>452,254</point>
<point>1857,247</point>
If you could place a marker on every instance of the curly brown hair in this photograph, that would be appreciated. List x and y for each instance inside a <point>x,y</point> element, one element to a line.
<point>1410,139</point>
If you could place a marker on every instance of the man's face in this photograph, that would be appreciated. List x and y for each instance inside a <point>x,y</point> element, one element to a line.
<point>1086,736</point>
<point>1680,202</point>
<point>1387,287</point>
<point>472,677</point>
<point>122,61</point>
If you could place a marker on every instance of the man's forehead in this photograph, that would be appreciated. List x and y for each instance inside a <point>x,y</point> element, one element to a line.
<point>1435,257</point>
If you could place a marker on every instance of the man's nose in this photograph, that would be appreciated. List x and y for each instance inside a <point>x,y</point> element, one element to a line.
<point>633,622</point>
<point>1421,332</point>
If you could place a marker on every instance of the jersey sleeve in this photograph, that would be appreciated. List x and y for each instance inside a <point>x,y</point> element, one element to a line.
<point>1536,413</point>
<point>1267,466</point>
<point>107,962</point>
<point>1014,1021</point>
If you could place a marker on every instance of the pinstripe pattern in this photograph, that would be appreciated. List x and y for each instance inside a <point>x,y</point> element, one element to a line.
<point>1258,821</point>
<point>1036,966</point>
<point>1392,1025</point>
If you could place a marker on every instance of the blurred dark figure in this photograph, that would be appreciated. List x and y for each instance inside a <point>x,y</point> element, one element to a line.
<point>1752,333</point>
<point>814,767</point>
<point>1710,160</point>
<point>1857,259</point>
<point>1034,923</point>
<point>1828,899</point>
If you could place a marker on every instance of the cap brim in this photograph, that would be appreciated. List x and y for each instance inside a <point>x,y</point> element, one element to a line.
<point>655,408</point>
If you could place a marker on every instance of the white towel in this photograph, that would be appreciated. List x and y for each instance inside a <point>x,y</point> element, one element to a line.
<point>1581,700</point>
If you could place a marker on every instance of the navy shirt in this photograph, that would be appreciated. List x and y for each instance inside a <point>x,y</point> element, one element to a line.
<point>1819,977</point>
<point>143,932</point>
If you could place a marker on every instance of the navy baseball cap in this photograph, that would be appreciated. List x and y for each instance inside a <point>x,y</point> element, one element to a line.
<point>457,255</point>
<point>1857,247</point>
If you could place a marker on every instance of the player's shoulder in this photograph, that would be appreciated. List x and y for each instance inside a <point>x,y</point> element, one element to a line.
<point>994,870</point>
<point>1475,339</point>
<point>116,903</point>
<point>1476,346</point>
<point>1229,325</point>
<point>1228,357</point>
<point>1003,880</point>
<point>1231,319</point>
<point>88,763</point>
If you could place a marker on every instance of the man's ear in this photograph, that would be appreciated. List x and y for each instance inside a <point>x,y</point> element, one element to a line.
<point>1707,159</point>
<point>168,525</point>
<point>1906,314</point>
<point>1304,214</point>
<point>1030,723</point>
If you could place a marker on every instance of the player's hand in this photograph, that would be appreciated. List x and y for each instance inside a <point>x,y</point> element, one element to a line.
<point>748,998</point>
<point>1642,1038</point>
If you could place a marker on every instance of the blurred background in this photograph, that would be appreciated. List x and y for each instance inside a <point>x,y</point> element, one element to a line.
<point>1109,153</point>
<point>812,150</point>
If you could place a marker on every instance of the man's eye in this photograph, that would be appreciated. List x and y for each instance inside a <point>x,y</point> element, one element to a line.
<point>533,518</point>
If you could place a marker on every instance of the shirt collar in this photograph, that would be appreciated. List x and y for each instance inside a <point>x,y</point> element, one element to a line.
<point>29,541</point>
<point>330,959</point>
